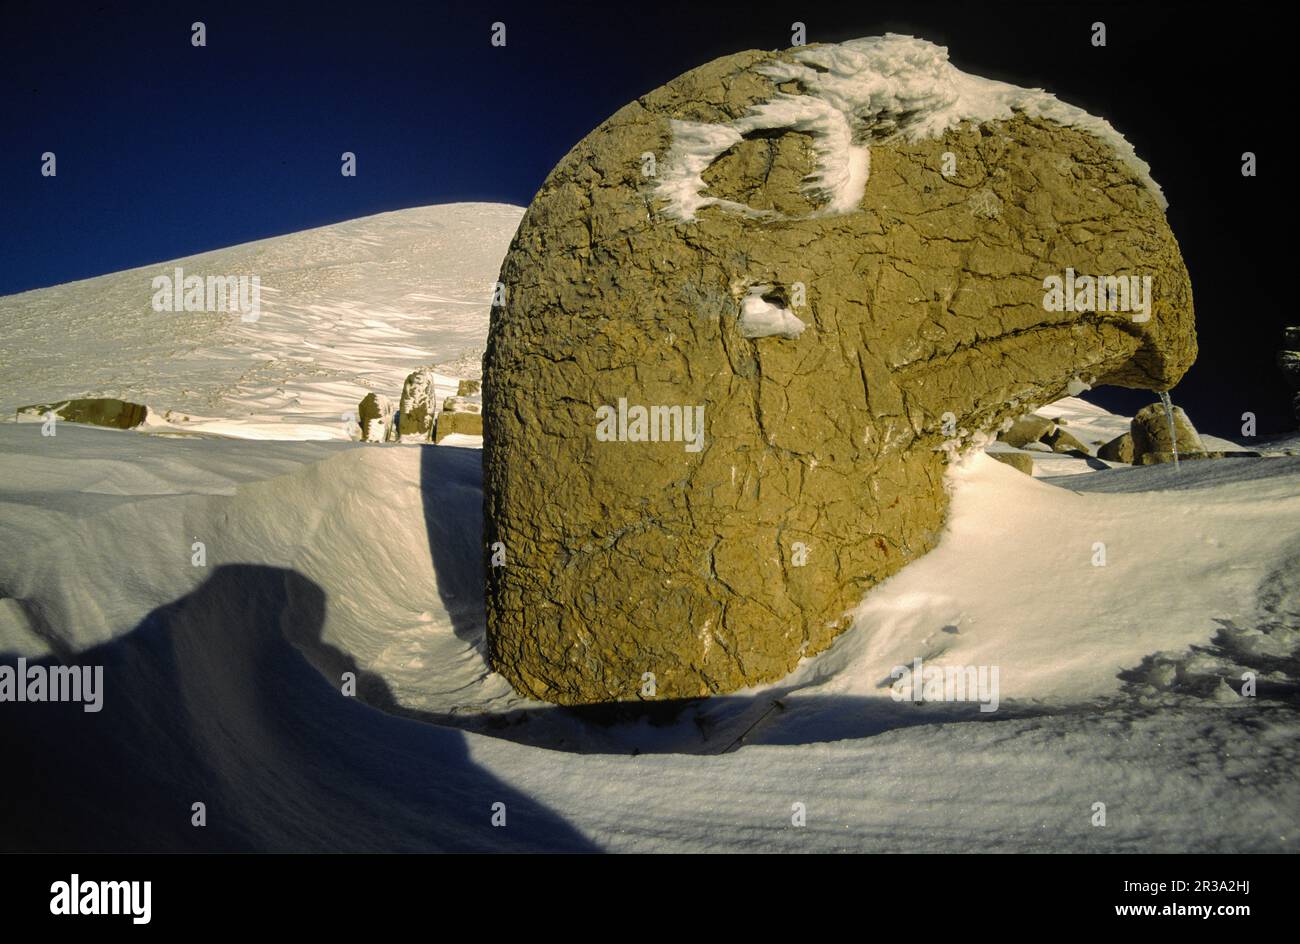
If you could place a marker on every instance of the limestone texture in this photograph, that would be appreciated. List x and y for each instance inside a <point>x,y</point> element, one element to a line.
<point>1017,460</point>
<point>1063,441</point>
<point>1159,458</point>
<point>680,565</point>
<point>459,404</point>
<point>1027,429</point>
<point>375,417</point>
<point>418,406</point>
<point>1288,361</point>
<point>1119,449</point>
<point>93,411</point>
<point>1150,432</point>
<point>467,423</point>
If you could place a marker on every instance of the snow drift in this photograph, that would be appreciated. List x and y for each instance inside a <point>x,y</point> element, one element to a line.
<point>224,683</point>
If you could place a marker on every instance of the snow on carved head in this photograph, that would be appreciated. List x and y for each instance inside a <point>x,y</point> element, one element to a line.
<point>759,318</point>
<point>854,93</point>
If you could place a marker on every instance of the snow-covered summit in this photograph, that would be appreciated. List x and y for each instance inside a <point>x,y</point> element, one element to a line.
<point>345,309</point>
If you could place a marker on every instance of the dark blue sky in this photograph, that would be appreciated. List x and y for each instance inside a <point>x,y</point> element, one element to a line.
<point>165,150</point>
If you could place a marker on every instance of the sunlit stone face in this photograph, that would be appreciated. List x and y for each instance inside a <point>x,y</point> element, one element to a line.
<point>832,267</point>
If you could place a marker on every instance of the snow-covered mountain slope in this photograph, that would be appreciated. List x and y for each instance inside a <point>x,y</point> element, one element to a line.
<point>345,309</point>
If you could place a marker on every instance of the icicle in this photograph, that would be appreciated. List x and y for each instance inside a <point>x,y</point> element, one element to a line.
<point>1169,415</point>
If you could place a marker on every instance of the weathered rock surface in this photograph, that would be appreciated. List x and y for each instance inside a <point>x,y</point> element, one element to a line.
<point>1119,449</point>
<point>1027,429</point>
<point>469,424</point>
<point>1017,460</point>
<point>1062,441</point>
<point>95,411</point>
<point>705,252</point>
<point>419,405</point>
<point>1288,360</point>
<point>460,404</point>
<point>1159,458</point>
<point>1150,432</point>
<point>375,417</point>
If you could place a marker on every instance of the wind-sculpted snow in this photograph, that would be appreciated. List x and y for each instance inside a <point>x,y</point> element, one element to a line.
<point>224,683</point>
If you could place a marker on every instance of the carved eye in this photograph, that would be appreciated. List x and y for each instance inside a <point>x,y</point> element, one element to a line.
<point>791,158</point>
<point>766,171</point>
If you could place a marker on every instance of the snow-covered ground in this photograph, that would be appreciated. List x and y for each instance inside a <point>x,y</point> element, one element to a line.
<point>1120,607</point>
